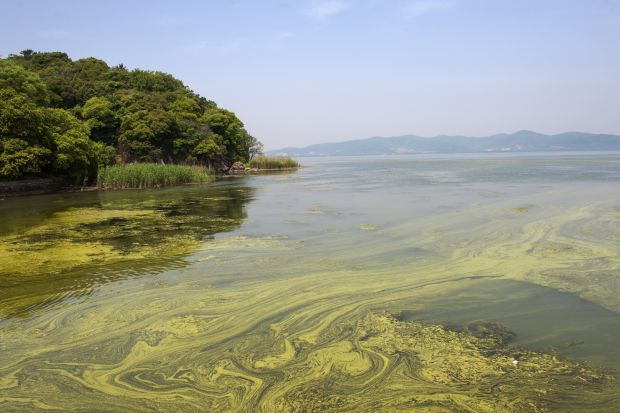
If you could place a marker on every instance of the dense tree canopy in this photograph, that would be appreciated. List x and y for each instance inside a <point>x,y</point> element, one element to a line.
<point>60,117</point>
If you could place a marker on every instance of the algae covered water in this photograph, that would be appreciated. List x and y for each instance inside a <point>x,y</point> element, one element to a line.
<point>405,283</point>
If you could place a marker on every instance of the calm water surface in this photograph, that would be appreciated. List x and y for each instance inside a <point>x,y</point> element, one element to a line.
<point>258,293</point>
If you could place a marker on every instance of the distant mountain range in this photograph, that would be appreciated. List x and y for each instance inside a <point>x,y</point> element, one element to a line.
<point>522,141</point>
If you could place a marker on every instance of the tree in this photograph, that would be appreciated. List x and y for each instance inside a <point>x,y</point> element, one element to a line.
<point>18,159</point>
<point>27,54</point>
<point>36,140</point>
<point>64,118</point>
<point>21,118</point>
<point>255,147</point>
<point>148,81</point>
<point>16,78</point>
<point>73,149</point>
<point>102,119</point>
<point>146,135</point>
<point>225,124</point>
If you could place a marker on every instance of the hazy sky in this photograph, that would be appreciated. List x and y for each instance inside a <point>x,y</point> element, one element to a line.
<point>301,72</point>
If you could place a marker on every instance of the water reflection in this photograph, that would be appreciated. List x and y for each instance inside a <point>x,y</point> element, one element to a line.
<point>59,247</point>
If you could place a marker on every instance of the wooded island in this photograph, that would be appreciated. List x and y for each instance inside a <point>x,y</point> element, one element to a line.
<point>70,119</point>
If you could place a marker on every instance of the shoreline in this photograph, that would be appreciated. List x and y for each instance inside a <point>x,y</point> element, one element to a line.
<point>34,186</point>
<point>44,186</point>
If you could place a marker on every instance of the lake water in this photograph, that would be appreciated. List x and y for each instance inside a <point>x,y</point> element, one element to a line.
<point>405,283</point>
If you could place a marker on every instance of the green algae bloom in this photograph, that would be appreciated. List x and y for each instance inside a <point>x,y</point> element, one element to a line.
<point>148,233</point>
<point>336,290</point>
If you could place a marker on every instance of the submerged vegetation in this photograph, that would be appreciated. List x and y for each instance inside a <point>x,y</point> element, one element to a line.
<point>149,175</point>
<point>69,248</point>
<point>66,118</point>
<point>273,162</point>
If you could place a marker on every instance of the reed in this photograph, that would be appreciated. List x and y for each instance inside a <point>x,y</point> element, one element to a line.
<point>149,175</point>
<point>273,162</point>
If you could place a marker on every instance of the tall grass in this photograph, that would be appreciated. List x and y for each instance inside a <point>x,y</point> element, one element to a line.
<point>149,175</point>
<point>273,162</point>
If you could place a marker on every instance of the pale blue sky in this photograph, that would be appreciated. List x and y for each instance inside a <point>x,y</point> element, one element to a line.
<point>301,72</point>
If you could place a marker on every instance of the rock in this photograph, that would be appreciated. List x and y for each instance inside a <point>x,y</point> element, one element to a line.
<point>222,168</point>
<point>237,167</point>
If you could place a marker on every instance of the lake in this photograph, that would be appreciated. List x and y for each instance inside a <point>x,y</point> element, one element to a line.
<point>480,282</point>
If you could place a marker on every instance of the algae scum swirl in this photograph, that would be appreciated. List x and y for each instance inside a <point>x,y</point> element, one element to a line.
<point>440,284</point>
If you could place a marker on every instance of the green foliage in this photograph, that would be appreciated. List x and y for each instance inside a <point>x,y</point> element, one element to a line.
<point>21,117</point>
<point>100,116</point>
<point>37,140</point>
<point>229,128</point>
<point>147,81</point>
<point>60,117</point>
<point>19,159</point>
<point>21,81</point>
<point>71,142</point>
<point>149,175</point>
<point>273,162</point>
<point>255,147</point>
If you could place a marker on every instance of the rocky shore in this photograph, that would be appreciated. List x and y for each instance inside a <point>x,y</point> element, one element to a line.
<point>30,187</point>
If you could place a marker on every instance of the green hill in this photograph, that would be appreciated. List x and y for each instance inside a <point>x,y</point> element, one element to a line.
<point>66,118</point>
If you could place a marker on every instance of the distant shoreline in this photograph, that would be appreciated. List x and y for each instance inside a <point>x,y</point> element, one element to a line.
<point>518,142</point>
<point>542,152</point>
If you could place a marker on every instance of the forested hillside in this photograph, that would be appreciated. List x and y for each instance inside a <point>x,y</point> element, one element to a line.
<point>65,118</point>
